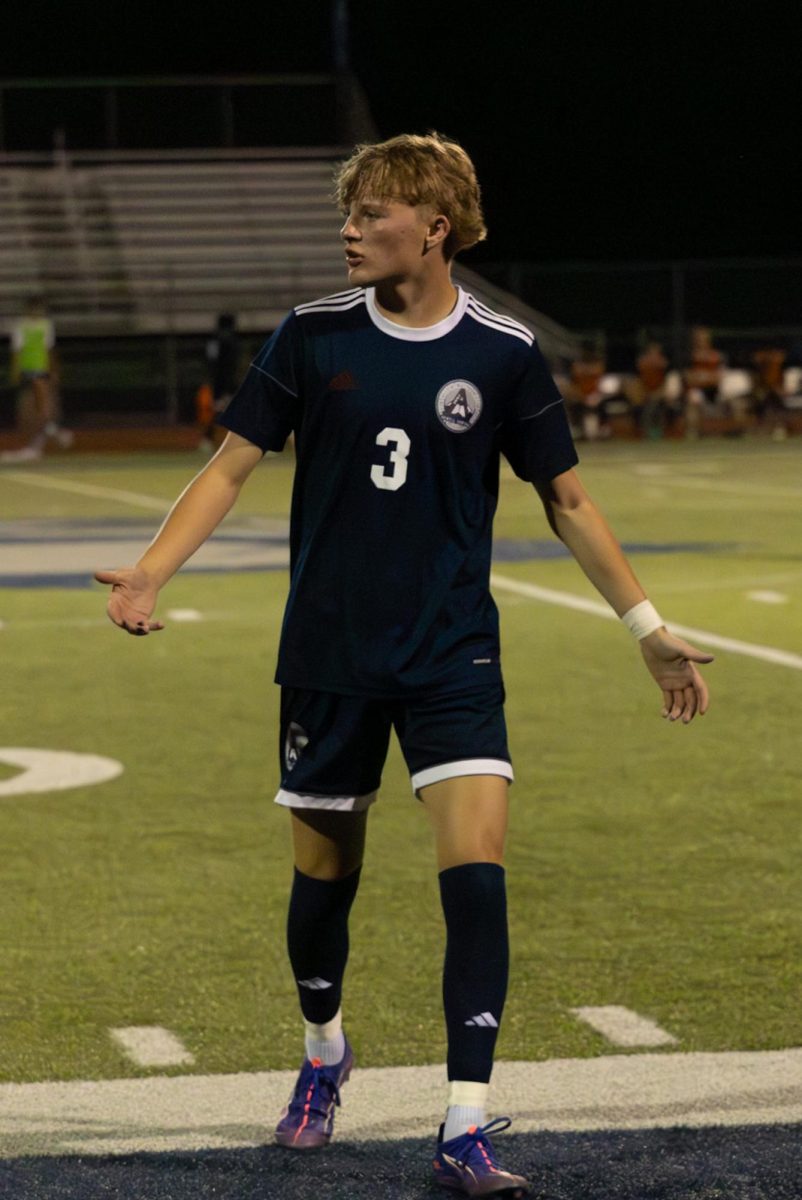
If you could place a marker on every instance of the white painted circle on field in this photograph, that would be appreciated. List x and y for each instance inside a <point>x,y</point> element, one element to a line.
<point>54,770</point>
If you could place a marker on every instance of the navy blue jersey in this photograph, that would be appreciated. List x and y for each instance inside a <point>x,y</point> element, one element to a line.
<point>398,433</point>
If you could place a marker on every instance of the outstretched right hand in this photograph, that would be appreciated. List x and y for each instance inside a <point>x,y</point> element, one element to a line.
<point>132,600</point>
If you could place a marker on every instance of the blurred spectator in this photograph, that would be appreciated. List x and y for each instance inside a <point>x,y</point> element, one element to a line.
<point>768,391</point>
<point>34,372</point>
<point>702,378</point>
<point>652,410</point>
<point>586,403</point>
<point>223,367</point>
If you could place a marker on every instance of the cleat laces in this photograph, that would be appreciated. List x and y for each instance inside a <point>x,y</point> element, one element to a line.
<point>478,1145</point>
<point>317,1091</point>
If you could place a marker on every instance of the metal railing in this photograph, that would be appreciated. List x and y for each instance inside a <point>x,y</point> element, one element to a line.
<point>183,112</point>
<point>620,304</point>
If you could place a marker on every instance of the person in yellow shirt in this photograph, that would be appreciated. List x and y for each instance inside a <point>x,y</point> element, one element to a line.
<point>33,365</point>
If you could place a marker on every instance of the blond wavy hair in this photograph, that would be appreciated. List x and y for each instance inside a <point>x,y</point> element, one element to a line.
<point>417,169</point>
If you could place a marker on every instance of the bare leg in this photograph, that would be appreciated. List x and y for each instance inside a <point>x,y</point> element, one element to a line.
<point>43,408</point>
<point>469,819</point>
<point>328,845</point>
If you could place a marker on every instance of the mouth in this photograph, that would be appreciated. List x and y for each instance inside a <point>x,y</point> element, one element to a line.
<point>353,260</point>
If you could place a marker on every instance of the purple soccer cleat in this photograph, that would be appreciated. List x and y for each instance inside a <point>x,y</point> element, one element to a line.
<point>308,1119</point>
<point>468,1164</point>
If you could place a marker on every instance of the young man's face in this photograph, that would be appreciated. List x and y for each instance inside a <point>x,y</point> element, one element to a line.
<point>385,240</point>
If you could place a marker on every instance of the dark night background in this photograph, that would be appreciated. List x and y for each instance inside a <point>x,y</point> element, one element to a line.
<point>604,131</point>
<point>600,130</point>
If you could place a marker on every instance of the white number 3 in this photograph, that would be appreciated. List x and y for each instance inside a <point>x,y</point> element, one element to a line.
<point>398,460</point>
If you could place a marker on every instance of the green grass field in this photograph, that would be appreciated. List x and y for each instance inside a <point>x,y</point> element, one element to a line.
<point>651,866</point>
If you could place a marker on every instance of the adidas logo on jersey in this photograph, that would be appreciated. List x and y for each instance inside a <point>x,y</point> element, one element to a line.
<point>486,1020</point>
<point>344,382</point>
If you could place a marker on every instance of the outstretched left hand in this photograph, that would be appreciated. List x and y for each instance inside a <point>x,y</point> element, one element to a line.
<point>671,662</point>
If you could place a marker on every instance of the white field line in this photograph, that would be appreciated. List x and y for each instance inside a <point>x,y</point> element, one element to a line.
<point>151,1046</point>
<point>54,623</point>
<point>709,462</point>
<point>735,584</point>
<point>783,658</point>
<point>623,1027</point>
<point>765,596</point>
<point>12,625</point>
<point>53,483</point>
<point>193,1112</point>
<point>744,489</point>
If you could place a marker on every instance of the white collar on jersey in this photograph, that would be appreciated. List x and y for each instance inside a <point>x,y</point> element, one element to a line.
<point>428,333</point>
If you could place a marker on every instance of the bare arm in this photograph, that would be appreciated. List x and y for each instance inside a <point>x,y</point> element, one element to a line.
<point>195,515</point>
<point>578,523</point>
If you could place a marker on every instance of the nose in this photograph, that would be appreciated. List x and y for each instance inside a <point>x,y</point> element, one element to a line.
<point>349,232</point>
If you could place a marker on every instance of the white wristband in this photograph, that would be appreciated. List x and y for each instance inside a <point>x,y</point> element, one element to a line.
<point>642,620</point>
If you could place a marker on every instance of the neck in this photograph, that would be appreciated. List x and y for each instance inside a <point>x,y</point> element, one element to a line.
<point>417,303</point>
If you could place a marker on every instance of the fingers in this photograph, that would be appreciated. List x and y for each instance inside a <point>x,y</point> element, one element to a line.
<point>131,621</point>
<point>684,703</point>
<point>702,692</point>
<point>139,628</point>
<point>130,603</point>
<point>693,655</point>
<point>680,704</point>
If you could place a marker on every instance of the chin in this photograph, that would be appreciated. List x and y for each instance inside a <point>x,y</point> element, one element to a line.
<point>360,275</point>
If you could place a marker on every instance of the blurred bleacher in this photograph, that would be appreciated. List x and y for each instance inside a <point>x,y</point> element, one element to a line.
<point>137,253</point>
<point>138,250</point>
<point>163,244</point>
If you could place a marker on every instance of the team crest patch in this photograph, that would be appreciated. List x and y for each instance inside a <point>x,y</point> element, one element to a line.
<point>296,741</point>
<point>458,405</point>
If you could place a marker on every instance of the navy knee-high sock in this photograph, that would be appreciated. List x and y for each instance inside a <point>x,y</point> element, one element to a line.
<point>476,966</point>
<point>317,940</point>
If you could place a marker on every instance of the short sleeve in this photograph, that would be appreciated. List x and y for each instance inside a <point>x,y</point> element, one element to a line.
<point>534,435</point>
<point>265,407</point>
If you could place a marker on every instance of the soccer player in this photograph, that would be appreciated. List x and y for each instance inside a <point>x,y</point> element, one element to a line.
<point>33,368</point>
<point>402,392</point>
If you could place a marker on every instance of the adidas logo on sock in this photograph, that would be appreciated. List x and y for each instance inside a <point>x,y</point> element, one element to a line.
<point>485,1019</point>
<point>315,985</point>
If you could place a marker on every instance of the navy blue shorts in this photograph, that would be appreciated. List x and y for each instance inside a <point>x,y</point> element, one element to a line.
<point>333,748</point>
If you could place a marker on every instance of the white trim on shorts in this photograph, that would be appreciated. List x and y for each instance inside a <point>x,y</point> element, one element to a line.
<point>462,766</point>
<point>330,803</point>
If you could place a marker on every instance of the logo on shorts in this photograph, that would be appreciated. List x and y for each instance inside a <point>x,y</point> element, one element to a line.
<point>296,741</point>
<point>458,405</point>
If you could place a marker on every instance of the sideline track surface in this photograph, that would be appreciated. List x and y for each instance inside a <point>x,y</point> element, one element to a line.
<point>620,1127</point>
<point>752,1163</point>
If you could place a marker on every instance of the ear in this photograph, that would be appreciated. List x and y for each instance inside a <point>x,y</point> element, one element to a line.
<point>438,229</point>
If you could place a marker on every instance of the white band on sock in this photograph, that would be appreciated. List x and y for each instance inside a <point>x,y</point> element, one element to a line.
<point>467,1094</point>
<point>327,1032</point>
<point>325,1042</point>
<point>642,619</point>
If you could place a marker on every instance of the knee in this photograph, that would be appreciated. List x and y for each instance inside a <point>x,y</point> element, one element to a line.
<point>328,865</point>
<point>328,846</point>
<point>475,845</point>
